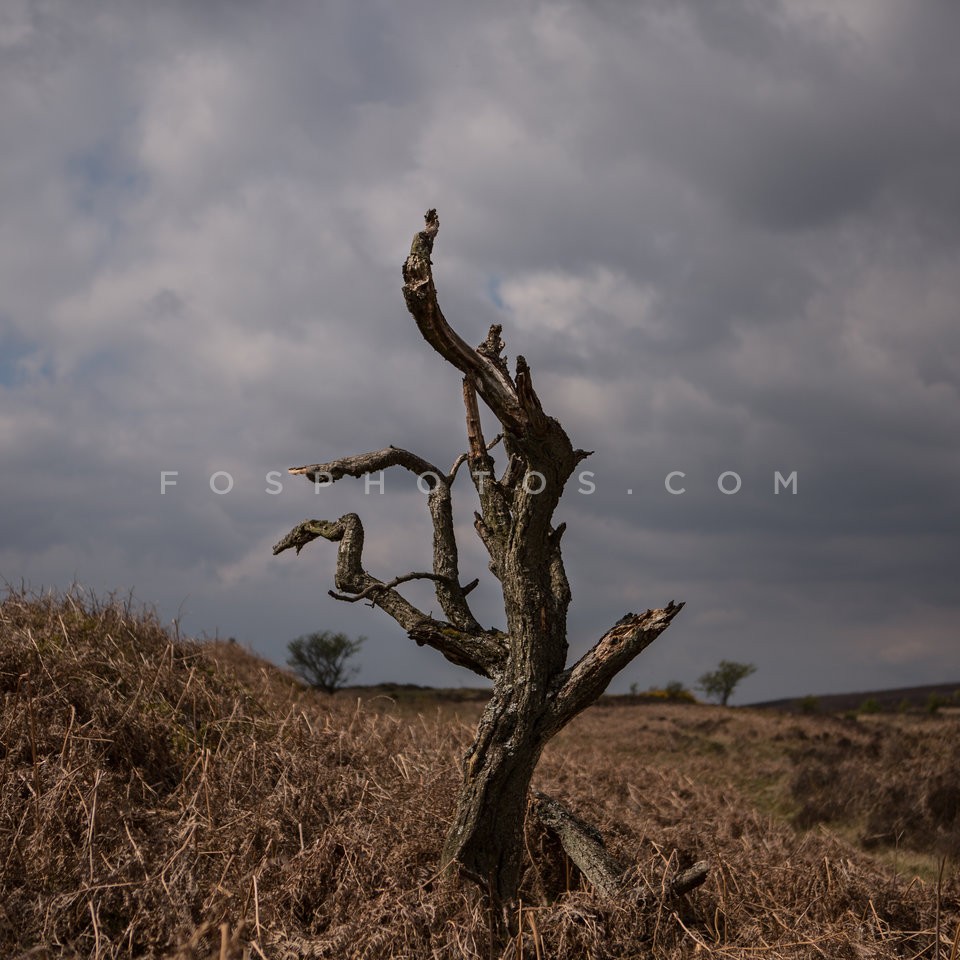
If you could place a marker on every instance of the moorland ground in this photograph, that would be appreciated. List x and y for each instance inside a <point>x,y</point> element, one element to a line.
<point>163,798</point>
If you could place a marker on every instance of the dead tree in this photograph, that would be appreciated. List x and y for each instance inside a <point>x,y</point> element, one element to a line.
<point>534,693</point>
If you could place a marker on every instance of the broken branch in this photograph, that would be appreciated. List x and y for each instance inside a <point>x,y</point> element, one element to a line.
<point>583,683</point>
<point>584,845</point>
<point>365,463</point>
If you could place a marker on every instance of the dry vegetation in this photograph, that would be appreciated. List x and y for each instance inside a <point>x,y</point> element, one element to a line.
<point>159,798</point>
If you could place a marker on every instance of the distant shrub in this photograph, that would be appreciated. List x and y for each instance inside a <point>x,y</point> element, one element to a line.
<point>809,704</point>
<point>935,702</point>
<point>674,691</point>
<point>870,705</point>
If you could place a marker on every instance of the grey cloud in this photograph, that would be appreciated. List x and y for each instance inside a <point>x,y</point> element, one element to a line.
<point>725,237</point>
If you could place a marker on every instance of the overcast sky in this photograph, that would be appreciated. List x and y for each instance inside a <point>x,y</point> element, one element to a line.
<point>725,235</point>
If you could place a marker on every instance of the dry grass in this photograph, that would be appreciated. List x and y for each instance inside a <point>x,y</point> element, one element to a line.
<point>159,798</point>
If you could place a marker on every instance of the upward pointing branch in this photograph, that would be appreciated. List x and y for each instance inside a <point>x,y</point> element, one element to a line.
<point>493,382</point>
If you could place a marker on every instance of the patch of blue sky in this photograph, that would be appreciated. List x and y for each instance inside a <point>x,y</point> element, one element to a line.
<point>103,183</point>
<point>96,366</point>
<point>493,292</point>
<point>103,178</point>
<point>13,351</point>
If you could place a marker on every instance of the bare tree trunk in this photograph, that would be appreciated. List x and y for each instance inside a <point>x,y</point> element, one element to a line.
<point>534,693</point>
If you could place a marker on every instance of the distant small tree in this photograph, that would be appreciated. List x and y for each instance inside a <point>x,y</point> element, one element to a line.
<point>870,705</point>
<point>935,702</point>
<point>321,659</point>
<point>809,704</point>
<point>720,683</point>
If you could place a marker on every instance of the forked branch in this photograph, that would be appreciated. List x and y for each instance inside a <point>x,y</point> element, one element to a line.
<point>482,651</point>
<point>450,596</point>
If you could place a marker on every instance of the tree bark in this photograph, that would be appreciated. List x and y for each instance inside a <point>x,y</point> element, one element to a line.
<point>534,693</point>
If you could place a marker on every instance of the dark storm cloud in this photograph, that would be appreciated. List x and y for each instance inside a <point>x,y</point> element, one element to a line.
<point>724,235</point>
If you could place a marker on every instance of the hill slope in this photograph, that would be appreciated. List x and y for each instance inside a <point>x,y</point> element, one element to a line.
<point>159,798</point>
<point>900,699</point>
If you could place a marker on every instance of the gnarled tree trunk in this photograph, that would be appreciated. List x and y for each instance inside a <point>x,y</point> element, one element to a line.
<point>534,693</point>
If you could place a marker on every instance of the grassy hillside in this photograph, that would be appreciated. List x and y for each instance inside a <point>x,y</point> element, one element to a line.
<point>160,798</point>
<point>929,699</point>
